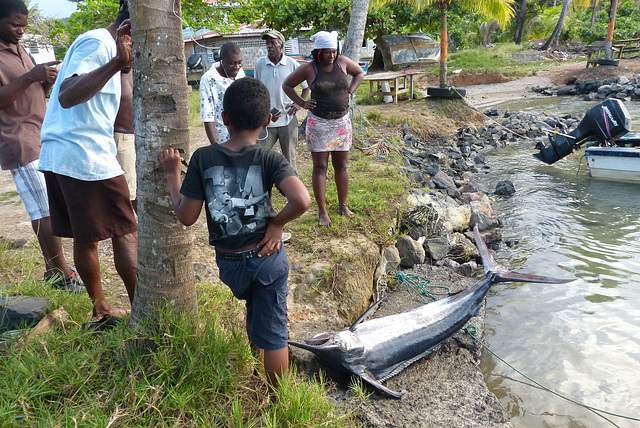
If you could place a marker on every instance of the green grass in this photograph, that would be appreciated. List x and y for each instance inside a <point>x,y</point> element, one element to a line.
<point>376,192</point>
<point>198,373</point>
<point>496,59</point>
<point>194,109</point>
<point>8,195</point>
<point>374,116</point>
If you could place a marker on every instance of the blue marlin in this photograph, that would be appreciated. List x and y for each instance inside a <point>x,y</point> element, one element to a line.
<point>379,349</point>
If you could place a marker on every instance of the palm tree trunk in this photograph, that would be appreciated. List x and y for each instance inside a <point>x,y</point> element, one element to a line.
<point>556,31</point>
<point>595,8</point>
<point>608,41</point>
<point>521,17</point>
<point>355,32</point>
<point>443,44</point>
<point>165,265</point>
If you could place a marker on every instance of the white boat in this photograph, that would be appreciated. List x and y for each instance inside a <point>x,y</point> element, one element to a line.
<point>614,163</point>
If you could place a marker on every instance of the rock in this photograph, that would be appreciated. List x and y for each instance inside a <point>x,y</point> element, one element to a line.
<point>462,249</point>
<point>604,89</point>
<point>437,248</point>
<point>505,188</point>
<point>414,175</point>
<point>20,311</point>
<point>455,217</point>
<point>565,90</point>
<point>467,269</point>
<point>443,181</point>
<point>482,206</point>
<point>616,87</point>
<point>483,221</point>
<point>410,251</point>
<point>205,272</point>
<point>475,196</point>
<point>13,244</point>
<point>392,257</point>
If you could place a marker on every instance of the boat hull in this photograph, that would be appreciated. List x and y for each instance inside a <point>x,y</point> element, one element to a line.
<point>614,163</point>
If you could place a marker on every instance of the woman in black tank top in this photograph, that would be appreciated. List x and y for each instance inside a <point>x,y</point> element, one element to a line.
<point>328,125</point>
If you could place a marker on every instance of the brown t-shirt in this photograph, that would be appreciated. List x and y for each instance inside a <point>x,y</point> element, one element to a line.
<point>20,123</point>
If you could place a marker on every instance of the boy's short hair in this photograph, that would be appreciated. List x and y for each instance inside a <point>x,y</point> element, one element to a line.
<point>9,7</point>
<point>246,103</point>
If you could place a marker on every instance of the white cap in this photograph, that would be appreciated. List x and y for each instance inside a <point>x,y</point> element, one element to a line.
<point>325,40</point>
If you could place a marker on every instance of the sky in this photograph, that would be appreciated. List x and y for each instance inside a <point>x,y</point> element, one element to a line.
<point>55,8</point>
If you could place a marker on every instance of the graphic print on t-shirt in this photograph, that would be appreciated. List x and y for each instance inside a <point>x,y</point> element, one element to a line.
<point>236,200</point>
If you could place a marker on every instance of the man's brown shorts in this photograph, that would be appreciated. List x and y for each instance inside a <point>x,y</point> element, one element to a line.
<point>89,211</point>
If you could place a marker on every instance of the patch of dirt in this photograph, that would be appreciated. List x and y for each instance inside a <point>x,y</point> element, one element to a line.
<point>466,79</point>
<point>567,75</point>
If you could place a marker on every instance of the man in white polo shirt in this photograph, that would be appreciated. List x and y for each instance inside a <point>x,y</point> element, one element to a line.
<point>272,70</point>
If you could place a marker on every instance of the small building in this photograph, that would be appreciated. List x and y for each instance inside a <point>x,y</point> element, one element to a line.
<point>249,39</point>
<point>39,48</point>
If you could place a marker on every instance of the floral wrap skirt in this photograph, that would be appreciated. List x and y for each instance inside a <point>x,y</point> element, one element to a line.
<point>328,135</point>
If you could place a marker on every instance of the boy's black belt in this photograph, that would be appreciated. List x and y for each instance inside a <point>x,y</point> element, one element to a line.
<point>236,257</point>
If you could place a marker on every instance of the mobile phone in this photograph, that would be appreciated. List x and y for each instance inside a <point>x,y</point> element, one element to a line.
<point>276,112</point>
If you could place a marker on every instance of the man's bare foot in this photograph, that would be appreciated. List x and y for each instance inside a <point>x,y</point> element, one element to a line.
<point>324,219</point>
<point>103,308</point>
<point>344,210</point>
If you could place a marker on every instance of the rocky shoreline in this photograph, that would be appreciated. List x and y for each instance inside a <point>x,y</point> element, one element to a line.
<point>621,88</point>
<point>447,200</point>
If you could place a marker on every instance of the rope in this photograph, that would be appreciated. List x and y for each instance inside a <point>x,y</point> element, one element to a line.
<point>419,288</point>
<point>471,330</point>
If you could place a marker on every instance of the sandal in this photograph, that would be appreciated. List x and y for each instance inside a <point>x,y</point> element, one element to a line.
<point>107,322</point>
<point>71,283</point>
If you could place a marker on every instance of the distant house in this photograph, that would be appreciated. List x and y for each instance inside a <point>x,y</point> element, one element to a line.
<point>249,39</point>
<point>39,48</point>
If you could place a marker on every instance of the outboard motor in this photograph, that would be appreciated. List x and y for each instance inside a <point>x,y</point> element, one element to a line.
<point>607,121</point>
<point>194,62</point>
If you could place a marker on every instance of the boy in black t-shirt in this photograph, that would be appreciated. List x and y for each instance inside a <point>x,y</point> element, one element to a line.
<point>234,180</point>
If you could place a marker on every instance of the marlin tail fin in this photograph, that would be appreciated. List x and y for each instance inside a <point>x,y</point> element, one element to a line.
<point>502,274</point>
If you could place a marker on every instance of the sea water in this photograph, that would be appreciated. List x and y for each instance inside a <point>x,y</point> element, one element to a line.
<point>580,340</point>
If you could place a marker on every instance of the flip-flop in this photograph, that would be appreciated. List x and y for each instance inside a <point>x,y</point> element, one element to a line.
<point>107,322</point>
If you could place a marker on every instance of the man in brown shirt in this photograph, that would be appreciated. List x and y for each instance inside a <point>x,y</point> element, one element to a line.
<point>23,86</point>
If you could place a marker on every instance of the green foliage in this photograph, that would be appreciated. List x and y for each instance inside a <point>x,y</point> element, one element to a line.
<point>194,109</point>
<point>182,372</point>
<point>627,24</point>
<point>374,116</point>
<point>92,14</point>
<point>290,16</point>
<point>495,59</point>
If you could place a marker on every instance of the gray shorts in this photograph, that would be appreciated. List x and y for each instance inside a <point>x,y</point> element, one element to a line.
<point>262,283</point>
<point>32,189</point>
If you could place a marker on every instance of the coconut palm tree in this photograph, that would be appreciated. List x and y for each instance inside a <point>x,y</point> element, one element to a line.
<point>355,31</point>
<point>500,10</point>
<point>555,35</point>
<point>165,265</point>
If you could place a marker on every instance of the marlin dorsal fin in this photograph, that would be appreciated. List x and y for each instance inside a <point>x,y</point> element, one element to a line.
<point>365,314</point>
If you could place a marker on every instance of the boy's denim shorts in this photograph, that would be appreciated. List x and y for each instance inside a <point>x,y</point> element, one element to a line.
<point>262,283</point>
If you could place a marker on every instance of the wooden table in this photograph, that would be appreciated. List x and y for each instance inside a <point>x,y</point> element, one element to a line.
<point>399,83</point>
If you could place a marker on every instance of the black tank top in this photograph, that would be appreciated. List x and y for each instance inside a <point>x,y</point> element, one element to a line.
<point>330,90</point>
